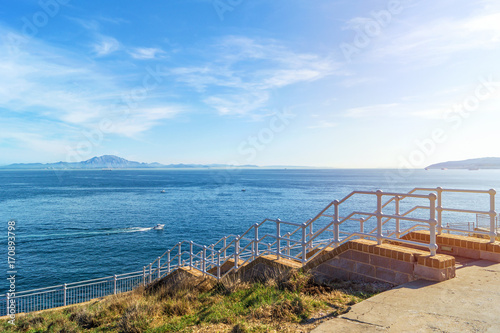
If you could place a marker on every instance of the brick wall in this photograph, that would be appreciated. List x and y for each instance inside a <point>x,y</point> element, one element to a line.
<point>366,261</point>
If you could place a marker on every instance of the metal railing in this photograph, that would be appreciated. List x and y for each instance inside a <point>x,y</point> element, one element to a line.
<point>281,239</point>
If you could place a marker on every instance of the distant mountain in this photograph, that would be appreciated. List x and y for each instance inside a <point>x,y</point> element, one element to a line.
<point>110,162</point>
<point>474,164</point>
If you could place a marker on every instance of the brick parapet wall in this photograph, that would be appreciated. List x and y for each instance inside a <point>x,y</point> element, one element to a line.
<point>366,261</point>
<point>463,246</point>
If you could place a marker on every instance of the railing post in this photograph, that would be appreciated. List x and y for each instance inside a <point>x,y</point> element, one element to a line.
<point>268,248</point>
<point>168,262</point>
<point>204,262</point>
<point>432,224</point>
<point>180,255</point>
<point>439,210</point>
<point>236,251</point>
<point>304,244</point>
<point>336,224</point>
<point>218,265</point>
<point>150,272</point>
<point>144,275</point>
<point>225,241</point>
<point>362,226</point>
<point>379,217</point>
<point>191,254</point>
<point>398,228</point>
<point>310,232</point>
<point>159,267</point>
<point>212,253</point>
<point>8,309</point>
<point>114,289</point>
<point>65,294</point>
<point>278,239</point>
<point>287,235</point>
<point>493,216</point>
<point>256,242</point>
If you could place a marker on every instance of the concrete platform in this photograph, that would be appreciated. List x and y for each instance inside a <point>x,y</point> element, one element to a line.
<point>468,303</point>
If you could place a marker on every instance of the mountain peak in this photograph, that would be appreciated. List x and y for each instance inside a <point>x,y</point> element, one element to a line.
<point>111,161</point>
<point>107,162</point>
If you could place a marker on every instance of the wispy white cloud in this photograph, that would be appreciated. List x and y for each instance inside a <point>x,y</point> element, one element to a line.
<point>35,142</point>
<point>247,70</point>
<point>439,38</point>
<point>146,53</point>
<point>88,24</point>
<point>105,45</point>
<point>239,103</point>
<point>142,119</point>
<point>38,81</point>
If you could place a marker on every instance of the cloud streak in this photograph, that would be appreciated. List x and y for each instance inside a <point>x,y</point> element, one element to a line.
<point>105,46</point>
<point>143,53</point>
<point>39,81</point>
<point>248,70</point>
<point>441,37</point>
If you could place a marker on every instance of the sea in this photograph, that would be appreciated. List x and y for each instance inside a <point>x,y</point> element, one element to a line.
<point>77,225</point>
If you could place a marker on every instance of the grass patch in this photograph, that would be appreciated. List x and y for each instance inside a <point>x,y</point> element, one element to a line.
<point>287,303</point>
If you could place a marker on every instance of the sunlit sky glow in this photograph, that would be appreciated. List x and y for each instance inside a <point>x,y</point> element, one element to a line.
<point>365,84</point>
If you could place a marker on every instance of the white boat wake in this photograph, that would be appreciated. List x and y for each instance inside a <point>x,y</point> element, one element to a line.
<point>86,233</point>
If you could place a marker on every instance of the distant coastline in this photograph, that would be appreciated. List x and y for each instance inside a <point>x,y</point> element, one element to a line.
<point>111,162</point>
<point>470,164</point>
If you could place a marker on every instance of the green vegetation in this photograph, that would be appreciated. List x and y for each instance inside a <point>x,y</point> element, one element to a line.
<point>290,303</point>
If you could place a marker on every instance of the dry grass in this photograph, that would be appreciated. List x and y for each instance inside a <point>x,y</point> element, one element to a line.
<point>285,302</point>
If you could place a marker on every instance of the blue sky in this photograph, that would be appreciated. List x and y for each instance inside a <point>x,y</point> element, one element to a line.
<point>365,84</point>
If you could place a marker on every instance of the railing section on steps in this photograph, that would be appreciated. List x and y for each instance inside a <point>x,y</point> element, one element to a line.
<point>282,239</point>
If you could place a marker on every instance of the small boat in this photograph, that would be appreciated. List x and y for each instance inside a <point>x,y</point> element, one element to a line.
<point>162,191</point>
<point>243,190</point>
<point>158,227</point>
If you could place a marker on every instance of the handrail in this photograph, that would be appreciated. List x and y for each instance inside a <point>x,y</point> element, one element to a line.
<point>293,243</point>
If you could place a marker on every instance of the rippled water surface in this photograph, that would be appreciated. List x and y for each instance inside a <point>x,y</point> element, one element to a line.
<point>76,225</point>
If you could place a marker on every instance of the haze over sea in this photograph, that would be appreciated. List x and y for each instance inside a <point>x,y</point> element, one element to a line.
<point>77,225</point>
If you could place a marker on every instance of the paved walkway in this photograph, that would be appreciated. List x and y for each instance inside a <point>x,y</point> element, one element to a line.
<point>468,303</point>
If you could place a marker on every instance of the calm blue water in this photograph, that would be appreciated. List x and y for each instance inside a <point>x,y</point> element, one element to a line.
<point>77,225</point>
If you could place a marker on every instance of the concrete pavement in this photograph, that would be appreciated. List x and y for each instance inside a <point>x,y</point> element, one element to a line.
<point>468,303</point>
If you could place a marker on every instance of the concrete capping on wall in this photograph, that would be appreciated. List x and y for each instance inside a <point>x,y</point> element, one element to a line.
<point>457,245</point>
<point>225,267</point>
<point>485,236</point>
<point>267,266</point>
<point>366,261</point>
